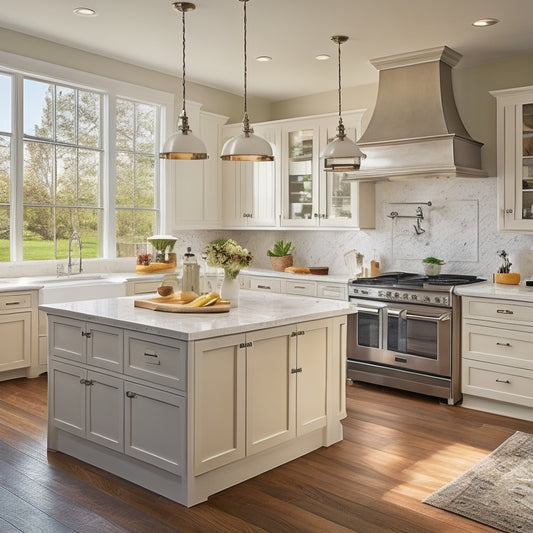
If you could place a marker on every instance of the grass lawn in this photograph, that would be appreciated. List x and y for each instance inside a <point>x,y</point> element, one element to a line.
<point>44,250</point>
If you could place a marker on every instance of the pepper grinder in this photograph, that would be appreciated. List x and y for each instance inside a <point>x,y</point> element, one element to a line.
<point>191,272</point>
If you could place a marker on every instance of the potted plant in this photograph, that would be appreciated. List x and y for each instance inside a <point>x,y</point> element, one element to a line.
<point>280,255</point>
<point>432,265</point>
<point>504,274</point>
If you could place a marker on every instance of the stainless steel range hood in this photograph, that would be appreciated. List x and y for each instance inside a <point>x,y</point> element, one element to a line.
<point>416,130</point>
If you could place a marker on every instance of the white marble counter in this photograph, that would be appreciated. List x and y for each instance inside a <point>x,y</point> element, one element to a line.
<point>496,290</point>
<point>256,311</point>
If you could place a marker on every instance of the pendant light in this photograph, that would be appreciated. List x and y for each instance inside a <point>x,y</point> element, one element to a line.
<point>341,154</point>
<point>183,144</point>
<point>246,146</point>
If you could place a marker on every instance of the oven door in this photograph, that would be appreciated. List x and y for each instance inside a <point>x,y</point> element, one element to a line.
<point>365,329</point>
<point>418,338</point>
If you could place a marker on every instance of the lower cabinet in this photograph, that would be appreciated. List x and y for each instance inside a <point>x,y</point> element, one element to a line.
<point>257,390</point>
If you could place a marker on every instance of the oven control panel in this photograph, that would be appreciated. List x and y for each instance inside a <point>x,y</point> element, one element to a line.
<point>423,297</point>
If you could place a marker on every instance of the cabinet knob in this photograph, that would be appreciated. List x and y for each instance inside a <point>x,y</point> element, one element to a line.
<point>316,215</point>
<point>296,370</point>
<point>130,394</point>
<point>86,334</point>
<point>509,211</point>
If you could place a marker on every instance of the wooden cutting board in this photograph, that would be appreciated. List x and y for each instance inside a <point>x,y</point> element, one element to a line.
<point>164,303</point>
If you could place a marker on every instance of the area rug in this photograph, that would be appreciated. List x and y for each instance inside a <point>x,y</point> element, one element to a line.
<point>497,491</point>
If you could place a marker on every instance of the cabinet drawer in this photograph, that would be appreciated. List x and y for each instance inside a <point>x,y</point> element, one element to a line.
<point>498,345</point>
<point>17,300</point>
<point>305,288</point>
<point>501,310</point>
<point>142,287</point>
<point>265,284</point>
<point>158,359</point>
<point>498,382</point>
<point>335,291</point>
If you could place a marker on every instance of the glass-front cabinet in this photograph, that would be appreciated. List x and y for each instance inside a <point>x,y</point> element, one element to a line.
<point>311,196</point>
<point>515,158</point>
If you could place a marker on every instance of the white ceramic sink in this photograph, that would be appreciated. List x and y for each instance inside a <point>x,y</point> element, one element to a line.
<point>88,287</point>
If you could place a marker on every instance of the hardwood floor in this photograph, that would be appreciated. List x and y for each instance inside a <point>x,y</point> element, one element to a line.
<point>398,448</point>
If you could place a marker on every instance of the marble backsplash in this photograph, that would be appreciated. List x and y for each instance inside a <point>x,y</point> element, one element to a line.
<point>460,227</point>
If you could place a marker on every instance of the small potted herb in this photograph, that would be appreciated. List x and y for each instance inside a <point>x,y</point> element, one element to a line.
<point>504,274</point>
<point>280,255</point>
<point>432,266</point>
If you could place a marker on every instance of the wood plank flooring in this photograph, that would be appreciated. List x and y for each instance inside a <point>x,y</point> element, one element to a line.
<point>398,448</point>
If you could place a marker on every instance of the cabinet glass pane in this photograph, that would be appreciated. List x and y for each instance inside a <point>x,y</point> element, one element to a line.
<point>527,161</point>
<point>300,174</point>
<point>339,196</point>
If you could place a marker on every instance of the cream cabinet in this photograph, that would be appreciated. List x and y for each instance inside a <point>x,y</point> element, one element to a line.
<point>497,355</point>
<point>194,189</point>
<point>515,158</point>
<point>19,356</point>
<point>257,390</point>
<point>248,188</point>
<point>312,197</point>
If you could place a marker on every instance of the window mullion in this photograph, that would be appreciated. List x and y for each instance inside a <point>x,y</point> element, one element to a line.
<point>17,170</point>
<point>109,188</point>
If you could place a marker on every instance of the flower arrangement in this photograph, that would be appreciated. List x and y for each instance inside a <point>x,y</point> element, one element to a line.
<point>505,267</point>
<point>227,254</point>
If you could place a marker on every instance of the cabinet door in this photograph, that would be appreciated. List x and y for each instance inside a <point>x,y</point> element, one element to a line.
<point>300,174</point>
<point>104,346</point>
<point>313,349</point>
<point>15,332</point>
<point>218,410</point>
<point>270,388</point>
<point>155,427</point>
<point>66,402</point>
<point>105,410</point>
<point>67,338</point>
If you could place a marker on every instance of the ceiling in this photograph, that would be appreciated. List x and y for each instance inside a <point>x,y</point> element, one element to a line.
<point>148,33</point>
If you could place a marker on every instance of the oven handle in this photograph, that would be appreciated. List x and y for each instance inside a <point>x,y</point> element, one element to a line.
<point>425,318</point>
<point>368,309</point>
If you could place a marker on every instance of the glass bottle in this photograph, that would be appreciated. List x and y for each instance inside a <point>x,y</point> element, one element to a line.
<point>191,273</point>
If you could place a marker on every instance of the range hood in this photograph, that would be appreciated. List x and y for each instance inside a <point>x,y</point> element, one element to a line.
<point>416,130</point>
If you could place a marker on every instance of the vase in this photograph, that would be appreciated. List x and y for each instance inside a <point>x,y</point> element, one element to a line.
<point>279,264</point>
<point>507,278</point>
<point>432,269</point>
<point>230,290</point>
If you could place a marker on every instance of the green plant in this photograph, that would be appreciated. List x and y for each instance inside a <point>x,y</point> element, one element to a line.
<point>280,249</point>
<point>505,268</point>
<point>433,261</point>
<point>227,254</point>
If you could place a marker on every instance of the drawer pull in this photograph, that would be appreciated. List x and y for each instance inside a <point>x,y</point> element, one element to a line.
<point>86,381</point>
<point>503,344</point>
<point>504,311</point>
<point>86,334</point>
<point>153,358</point>
<point>498,380</point>
<point>267,287</point>
<point>299,287</point>
<point>295,370</point>
<point>13,303</point>
<point>130,394</point>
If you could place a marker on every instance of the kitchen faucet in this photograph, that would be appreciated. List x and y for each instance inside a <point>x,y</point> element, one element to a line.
<point>75,236</point>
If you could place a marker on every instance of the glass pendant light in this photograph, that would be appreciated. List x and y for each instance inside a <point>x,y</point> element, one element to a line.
<point>183,144</point>
<point>246,146</point>
<point>341,154</point>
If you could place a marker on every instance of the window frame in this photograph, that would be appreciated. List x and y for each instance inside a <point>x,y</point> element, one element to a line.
<point>20,67</point>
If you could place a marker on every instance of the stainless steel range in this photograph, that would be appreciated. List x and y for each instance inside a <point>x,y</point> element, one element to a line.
<point>406,332</point>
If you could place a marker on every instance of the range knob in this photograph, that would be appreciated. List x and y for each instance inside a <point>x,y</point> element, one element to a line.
<point>427,299</point>
<point>414,297</point>
<point>437,299</point>
<point>445,300</point>
<point>405,296</point>
<point>381,293</point>
<point>396,294</point>
<point>388,294</point>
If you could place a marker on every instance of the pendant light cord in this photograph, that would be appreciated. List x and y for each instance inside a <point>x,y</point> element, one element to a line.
<point>183,59</point>
<point>339,66</point>
<point>245,121</point>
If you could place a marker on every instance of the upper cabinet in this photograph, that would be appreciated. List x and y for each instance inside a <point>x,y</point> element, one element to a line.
<point>193,193</point>
<point>294,190</point>
<point>248,188</point>
<point>311,196</point>
<point>515,158</point>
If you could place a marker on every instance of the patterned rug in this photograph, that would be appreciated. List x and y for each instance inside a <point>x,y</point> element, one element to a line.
<point>497,491</point>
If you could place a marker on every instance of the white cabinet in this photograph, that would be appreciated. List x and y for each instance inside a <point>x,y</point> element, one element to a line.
<point>88,404</point>
<point>19,355</point>
<point>312,197</point>
<point>248,188</point>
<point>194,190</point>
<point>515,158</point>
<point>257,390</point>
<point>497,352</point>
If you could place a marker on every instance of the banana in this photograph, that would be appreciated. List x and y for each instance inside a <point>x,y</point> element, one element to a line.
<point>185,296</point>
<point>205,299</point>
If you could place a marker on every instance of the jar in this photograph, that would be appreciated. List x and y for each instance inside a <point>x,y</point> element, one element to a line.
<point>191,273</point>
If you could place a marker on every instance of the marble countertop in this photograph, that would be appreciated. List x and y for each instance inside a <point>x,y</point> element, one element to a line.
<point>255,311</point>
<point>496,290</point>
<point>286,275</point>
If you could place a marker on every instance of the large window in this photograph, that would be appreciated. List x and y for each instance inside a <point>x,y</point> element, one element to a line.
<point>75,157</point>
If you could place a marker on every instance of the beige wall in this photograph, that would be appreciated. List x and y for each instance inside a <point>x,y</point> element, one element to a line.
<point>213,100</point>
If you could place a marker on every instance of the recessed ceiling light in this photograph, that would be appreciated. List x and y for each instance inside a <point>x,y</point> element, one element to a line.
<point>85,12</point>
<point>481,23</point>
<point>263,59</point>
<point>323,57</point>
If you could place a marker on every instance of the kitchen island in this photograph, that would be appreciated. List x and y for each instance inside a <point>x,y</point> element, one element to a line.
<point>189,404</point>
